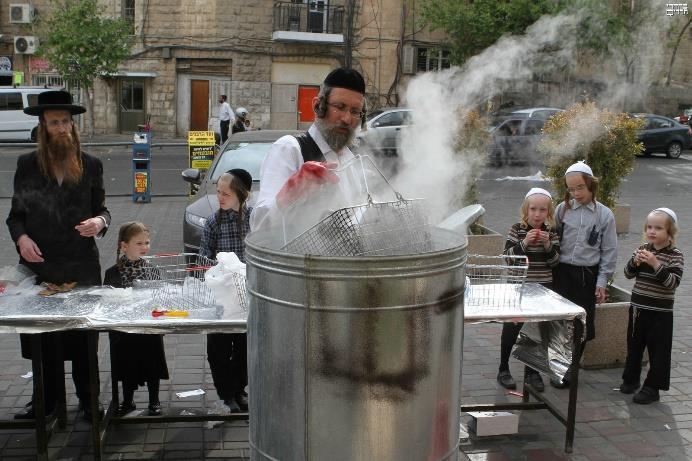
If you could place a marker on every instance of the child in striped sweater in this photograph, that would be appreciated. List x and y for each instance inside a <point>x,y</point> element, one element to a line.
<point>657,268</point>
<point>534,237</point>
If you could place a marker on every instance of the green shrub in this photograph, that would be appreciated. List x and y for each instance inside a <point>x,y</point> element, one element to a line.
<point>606,141</point>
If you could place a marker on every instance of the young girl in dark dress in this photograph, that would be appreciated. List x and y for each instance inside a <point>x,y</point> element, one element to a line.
<point>225,231</point>
<point>135,358</point>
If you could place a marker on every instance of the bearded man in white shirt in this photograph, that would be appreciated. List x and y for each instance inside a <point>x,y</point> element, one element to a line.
<point>296,166</point>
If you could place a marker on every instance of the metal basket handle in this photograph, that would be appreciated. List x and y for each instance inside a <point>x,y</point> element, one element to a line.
<point>359,158</point>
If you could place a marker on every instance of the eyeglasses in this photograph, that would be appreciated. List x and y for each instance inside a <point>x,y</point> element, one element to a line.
<point>343,108</point>
<point>579,188</point>
<point>57,123</point>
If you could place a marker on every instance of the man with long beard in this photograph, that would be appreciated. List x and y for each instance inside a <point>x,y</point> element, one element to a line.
<point>58,207</point>
<point>296,166</point>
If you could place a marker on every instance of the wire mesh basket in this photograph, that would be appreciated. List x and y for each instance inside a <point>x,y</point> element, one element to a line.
<point>373,229</point>
<point>376,228</point>
<point>495,281</point>
<point>177,281</point>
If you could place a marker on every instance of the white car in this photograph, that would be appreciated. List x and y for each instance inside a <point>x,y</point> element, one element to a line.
<point>15,125</point>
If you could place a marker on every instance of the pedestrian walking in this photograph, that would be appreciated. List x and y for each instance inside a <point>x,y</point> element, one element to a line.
<point>225,117</point>
<point>657,268</point>
<point>136,358</point>
<point>225,231</point>
<point>242,123</point>
<point>588,248</point>
<point>533,236</point>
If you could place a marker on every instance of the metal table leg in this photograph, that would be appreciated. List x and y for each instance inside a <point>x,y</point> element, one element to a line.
<point>92,350</point>
<point>39,402</point>
<point>573,384</point>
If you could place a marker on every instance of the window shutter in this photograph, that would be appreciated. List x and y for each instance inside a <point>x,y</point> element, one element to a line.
<point>407,66</point>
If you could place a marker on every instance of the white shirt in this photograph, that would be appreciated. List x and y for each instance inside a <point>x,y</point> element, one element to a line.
<point>225,112</point>
<point>282,161</point>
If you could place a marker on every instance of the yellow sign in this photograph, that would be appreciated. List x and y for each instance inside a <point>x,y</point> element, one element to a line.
<point>140,182</point>
<point>200,138</point>
<point>201,157</point>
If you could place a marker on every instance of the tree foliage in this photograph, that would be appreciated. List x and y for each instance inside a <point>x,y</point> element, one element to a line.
<point>475,25</point>
<point>81,43</point>
<point>605,140</point>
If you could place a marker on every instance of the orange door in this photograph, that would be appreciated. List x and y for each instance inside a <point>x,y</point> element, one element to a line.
<point>306,114</point>
<point>199,105</point>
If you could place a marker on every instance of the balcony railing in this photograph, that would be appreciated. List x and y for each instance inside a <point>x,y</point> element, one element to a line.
<point>314,17</point>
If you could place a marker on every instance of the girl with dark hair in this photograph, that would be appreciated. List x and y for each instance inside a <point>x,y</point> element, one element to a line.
<point>135,358</point>
<point>225,231</point>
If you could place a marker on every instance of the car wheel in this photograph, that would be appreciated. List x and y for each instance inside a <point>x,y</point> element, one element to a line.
<point>674,150</point>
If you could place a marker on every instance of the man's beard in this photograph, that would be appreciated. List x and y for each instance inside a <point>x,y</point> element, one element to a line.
<point>335,139</point>
<point>64,158</point>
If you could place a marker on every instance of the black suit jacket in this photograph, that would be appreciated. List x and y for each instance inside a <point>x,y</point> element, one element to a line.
<point>48,213</point>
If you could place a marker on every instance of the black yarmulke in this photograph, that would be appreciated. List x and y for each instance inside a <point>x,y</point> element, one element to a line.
<point>346,78</point>
<point>243,175</point>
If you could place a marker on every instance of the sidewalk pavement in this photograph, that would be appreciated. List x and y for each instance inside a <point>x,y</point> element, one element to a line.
<point>609,425</point>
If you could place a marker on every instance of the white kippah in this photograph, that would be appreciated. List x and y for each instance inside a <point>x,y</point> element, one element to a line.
<point>579,167</point>
<point>669,212</point>
<point>538,190</point>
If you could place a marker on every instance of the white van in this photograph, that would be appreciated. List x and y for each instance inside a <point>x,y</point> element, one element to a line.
<point>15,125</point>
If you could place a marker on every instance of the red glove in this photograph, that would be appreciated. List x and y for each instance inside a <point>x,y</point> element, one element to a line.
<point>306,180</point>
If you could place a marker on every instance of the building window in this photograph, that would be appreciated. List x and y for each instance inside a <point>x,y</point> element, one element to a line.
<point>432,59</point>
<point>128,13</point>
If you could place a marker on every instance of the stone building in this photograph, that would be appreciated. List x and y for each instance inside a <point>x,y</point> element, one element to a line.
<point>267,56</point>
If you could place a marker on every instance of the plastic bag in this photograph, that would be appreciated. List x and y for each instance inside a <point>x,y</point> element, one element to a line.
<point>222,279</point>
<point>17,279</point>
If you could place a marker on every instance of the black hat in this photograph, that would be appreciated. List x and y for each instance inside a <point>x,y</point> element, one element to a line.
<point>346,78</point>
<point>243,175</point>
<point>54,100</point>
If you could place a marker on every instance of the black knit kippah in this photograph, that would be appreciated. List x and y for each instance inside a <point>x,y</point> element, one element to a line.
<point>244,176</point>
<point>346,78</point>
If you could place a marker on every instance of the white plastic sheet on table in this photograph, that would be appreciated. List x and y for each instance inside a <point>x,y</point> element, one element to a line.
<point>545,341</point>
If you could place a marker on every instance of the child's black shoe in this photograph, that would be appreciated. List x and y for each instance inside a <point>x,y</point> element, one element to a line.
<point>629,388</point>
<point>125,408</point>
<point>646,395</point>
<point>232,405</point>
<point>155,409</point>
<point>505,379</point>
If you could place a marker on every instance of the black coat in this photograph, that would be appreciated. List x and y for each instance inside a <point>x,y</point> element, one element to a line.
<point>48,213</point>
<point>136,358</point>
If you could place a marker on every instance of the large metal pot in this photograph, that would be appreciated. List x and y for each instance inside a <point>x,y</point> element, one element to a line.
<point>355,358</point>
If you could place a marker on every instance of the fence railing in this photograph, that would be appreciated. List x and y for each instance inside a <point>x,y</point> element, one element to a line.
<point>314,16</point>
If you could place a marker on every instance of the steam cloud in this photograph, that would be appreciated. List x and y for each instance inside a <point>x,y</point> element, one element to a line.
<point>433,167</point>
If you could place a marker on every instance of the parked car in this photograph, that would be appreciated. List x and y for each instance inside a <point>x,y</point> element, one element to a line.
<point>663,134</point>
<point>244,150</point>
<point>383,129</point>
<point>15,125</point>
<point>514,140</point>
<point>542,113</point>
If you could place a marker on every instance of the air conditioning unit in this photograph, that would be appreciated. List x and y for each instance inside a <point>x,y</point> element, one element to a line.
<point>21,13</point>
<point>25,44</point>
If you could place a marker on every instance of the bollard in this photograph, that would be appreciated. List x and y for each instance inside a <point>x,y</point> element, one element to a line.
<point>141,167</point>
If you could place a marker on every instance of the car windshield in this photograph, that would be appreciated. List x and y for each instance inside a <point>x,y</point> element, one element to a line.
<point>374,113</point>
<point>245,155</point>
